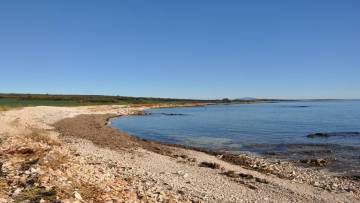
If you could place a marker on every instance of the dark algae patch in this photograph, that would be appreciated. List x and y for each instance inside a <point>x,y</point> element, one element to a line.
<point>332,134</point>
<point>209,165</point>
<point>173,114</point>
<point>298,106</point>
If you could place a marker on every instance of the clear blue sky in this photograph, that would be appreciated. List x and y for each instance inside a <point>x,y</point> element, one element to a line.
<point>182,48</point>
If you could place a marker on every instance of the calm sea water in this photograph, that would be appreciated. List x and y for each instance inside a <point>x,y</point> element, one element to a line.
<point>239,126</point>
<point>259,128</point>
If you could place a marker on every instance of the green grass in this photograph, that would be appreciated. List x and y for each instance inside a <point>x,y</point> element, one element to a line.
<point>21,100</point>
<point>12,102</point>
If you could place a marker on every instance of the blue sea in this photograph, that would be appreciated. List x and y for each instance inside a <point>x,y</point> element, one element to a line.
<point>255,128</point>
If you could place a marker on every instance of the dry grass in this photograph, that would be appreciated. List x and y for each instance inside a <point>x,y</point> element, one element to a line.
<point>54,160</point>
<point>5,108</point>
<point>35,194</point>
<point>3,185</point>
<point>89,191</point>
<point>43,138</point>
<point>8,108</point>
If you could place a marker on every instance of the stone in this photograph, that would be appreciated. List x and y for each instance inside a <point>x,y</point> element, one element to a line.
<point>231,174</point>
<point>77,195</point>
<point>181,192</point>
<point>315,162</point>
<point>331,134</point>
<point>1,172</point>
<point>2,200</point>
<point>22,180</point>
<point>334,185</point>
<point>261,180</point>
<point>25,150</point>
<point>17,192</point>
<point>253,187</point>
<point>246,176</point>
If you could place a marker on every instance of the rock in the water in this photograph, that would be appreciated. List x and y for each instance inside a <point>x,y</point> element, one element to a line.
<point>173,114</point>
<point>331,134</point>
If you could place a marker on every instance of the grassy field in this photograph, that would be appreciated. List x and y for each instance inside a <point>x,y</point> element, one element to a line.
<point>21,100</point>
<point>8,101</point>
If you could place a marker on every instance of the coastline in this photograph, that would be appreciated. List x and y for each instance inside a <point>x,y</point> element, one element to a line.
<point>118,167</point>
<point>304,154</point>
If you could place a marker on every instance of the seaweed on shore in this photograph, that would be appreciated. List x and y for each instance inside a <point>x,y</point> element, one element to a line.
<point>209,165</point>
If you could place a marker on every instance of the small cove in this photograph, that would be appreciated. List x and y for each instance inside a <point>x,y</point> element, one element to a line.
<point>279,129</point>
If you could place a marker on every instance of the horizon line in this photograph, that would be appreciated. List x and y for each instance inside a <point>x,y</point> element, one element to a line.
<point>117,95</point>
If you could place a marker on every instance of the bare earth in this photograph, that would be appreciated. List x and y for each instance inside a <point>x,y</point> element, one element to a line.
<point>70,154</point>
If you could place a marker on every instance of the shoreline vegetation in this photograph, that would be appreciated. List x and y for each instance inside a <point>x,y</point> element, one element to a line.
<point>71,154</point>
<point>17,100</point>
<point>14,100</point>
<point>21,100</point>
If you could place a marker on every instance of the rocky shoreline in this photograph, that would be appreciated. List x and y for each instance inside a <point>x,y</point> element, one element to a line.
<point>59,154</point>
<point>334,157</point>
